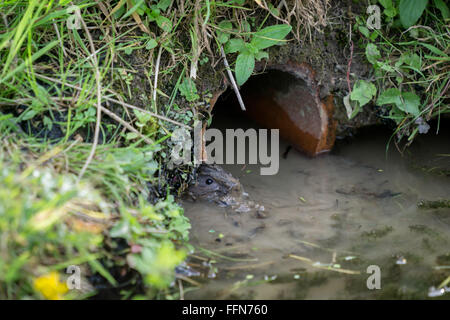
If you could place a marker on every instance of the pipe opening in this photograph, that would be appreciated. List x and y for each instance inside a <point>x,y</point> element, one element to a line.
<point>284,97</point>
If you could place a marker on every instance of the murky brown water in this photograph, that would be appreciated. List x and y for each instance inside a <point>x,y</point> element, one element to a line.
<point>327,220</point>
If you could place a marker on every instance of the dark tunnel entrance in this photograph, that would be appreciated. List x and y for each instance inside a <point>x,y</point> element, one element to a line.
<point>283,97</point>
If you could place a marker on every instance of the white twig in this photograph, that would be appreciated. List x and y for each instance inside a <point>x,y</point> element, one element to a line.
<point>60,40</point>
<point>99,100</point>
<point>155,86</point>
<point>233,82</point>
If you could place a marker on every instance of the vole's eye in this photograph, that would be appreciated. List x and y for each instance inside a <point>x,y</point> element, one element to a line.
<point>209,181</point>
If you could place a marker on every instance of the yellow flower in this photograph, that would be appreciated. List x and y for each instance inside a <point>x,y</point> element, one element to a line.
<point>50,286</point>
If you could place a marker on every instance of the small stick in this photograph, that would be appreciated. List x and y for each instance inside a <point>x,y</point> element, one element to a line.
<point>349,66</point>
<point>60,40</point>
<point>180,285</point>
<point>99,100</point>
<point>155,86</point>
<point>233,82</point>
<point>187,279</point>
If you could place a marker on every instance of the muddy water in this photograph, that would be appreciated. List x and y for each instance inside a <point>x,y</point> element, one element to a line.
<point>326,220</point>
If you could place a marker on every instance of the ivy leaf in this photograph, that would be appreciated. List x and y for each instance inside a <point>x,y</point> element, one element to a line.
<point>270,36</point>
<point>245,63</point>
<point>235,45</point>
<point>410,11</point>
<point>363,92</point>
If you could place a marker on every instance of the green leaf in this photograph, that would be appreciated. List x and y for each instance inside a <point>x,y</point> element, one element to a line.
<point>151,44</point>
<point>364,31</point>
<point>48,123</point>
<point>222,36</point>
<point>390,96</point>
<point>270,36</point>
<point>363,92</point>
<point>133,9</point>
<point>235,45</point>
<point>245,63</point>
<point>188,90</point>
<point>411,59</point>
<point>128,50</point>
<point>386,3</point>
<point>164,23</point>
<point>390,12</point>
<point>405,101</point>
<point>251,48</point>
<point>351,108</point>
<point>389,9</point>
<point>131,136</point>
<point>29,114</point>
<point>163,4</point>
<point>386,66</point>
<point>274,10</point>
<point>410,11</point>
<point>372,53</point>
<point>410,103</point>
<point>434,49</point>
<point>443,8</point>
<point>261,55</point>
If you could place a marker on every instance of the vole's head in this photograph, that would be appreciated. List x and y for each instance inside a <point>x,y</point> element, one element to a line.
<point>213,183</point>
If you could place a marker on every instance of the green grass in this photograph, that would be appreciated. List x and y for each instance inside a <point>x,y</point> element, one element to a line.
<point>410,67</point>
<point>85,131</point>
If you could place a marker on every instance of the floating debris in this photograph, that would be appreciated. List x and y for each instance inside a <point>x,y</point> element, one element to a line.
<point>433,292</point>
<point>186,271</point>
<point>401,260</point>
<point>270,278</point>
